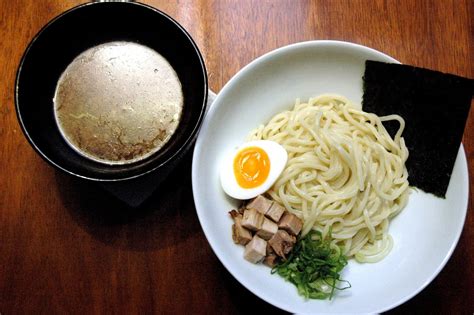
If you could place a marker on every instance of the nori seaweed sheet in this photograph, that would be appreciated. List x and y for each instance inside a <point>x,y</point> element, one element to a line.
<point>435,107</point>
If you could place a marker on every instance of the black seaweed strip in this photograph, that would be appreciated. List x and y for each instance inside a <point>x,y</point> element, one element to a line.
<point>435,107</point>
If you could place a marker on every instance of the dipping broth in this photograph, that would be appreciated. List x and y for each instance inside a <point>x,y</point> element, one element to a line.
<point>118,103</point>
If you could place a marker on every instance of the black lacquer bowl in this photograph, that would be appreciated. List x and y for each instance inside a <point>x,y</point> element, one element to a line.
<point>79,29</point>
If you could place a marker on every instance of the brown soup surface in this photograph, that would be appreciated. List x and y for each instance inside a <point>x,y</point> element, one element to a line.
<point>118,103</point>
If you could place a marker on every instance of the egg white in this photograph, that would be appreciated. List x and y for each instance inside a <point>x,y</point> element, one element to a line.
<point>278,158</point>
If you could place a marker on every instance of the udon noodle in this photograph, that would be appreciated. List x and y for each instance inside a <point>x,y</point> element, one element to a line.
<point>345,174</point>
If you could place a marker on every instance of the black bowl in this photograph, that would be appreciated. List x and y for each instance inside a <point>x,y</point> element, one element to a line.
<point>79,29</point>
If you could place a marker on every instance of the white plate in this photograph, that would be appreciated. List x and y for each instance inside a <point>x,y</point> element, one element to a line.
<point>425,233</point>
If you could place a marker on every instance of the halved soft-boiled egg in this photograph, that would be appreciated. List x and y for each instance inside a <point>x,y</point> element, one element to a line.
<point>253,168</point>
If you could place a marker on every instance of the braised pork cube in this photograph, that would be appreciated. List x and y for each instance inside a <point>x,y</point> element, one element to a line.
<point>290,223</point>
<point>241,208</point>
<point>255,250</point>
<point>252,220</point>
<point>275,212</point>
<point>240,235</point>
<point>260,203</point>
<point>268,229</point>
<point>271,260</point>
<point>233,213</point>
<point>269,249</point>
<point>282,243</point>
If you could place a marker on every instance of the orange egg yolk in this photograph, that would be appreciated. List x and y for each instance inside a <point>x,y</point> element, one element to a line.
<point>251,167</point>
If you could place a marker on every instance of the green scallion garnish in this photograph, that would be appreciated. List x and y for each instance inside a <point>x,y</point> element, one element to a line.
<point>313,267</point>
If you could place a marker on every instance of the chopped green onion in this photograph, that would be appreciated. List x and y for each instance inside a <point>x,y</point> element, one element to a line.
<point>313,267</point>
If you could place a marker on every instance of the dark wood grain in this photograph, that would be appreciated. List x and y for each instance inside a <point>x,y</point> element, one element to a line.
<point>68,247</point>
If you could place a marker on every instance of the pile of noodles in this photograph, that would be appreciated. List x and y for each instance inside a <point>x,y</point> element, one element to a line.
<point>345,175</point>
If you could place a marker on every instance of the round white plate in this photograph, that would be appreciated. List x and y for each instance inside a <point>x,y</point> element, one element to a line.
<point>425,233</point>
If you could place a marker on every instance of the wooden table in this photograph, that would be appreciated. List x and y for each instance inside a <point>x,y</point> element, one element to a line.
<point>68,247</point>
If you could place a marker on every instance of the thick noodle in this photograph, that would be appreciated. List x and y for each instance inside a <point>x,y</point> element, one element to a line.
<point>345,174</point>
